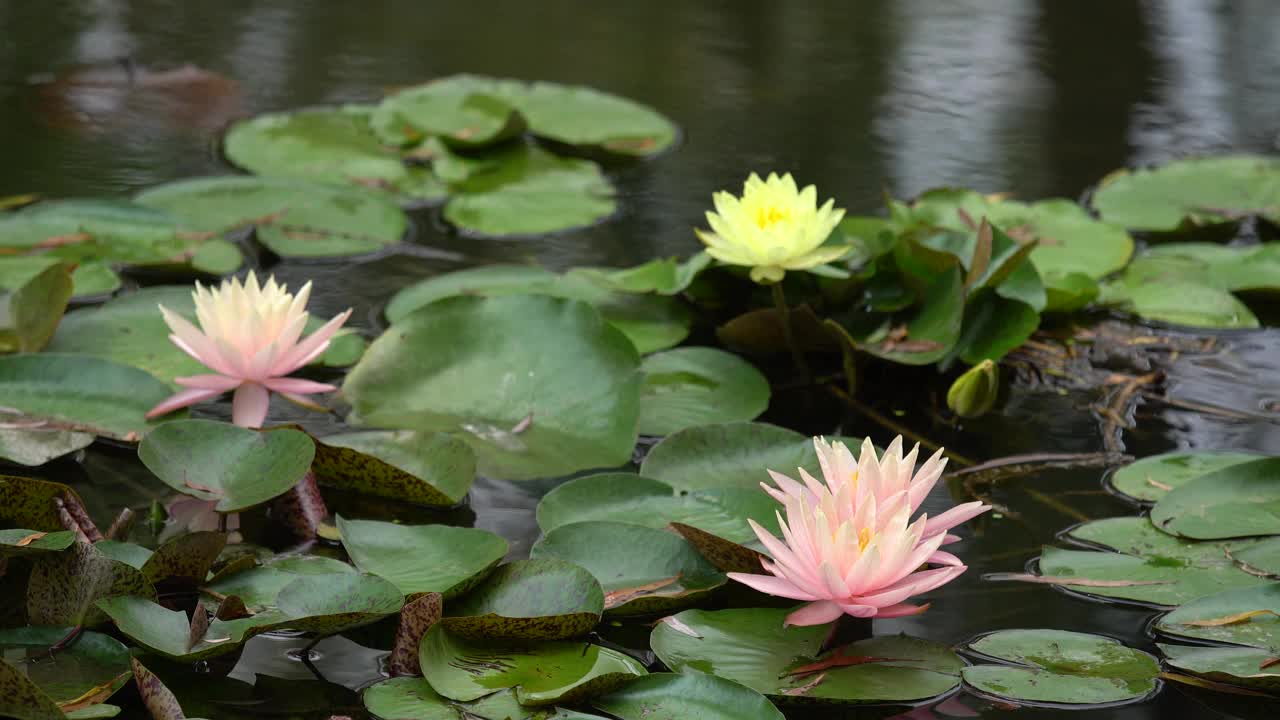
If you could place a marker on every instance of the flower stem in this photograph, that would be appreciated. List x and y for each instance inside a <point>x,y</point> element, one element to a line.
<point>896,427</point>
<point>784,317</point>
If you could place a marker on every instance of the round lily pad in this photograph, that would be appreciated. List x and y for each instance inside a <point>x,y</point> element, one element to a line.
<point>692,386</point>
<point>30,310</point>
<point>1059,667</point>
<point>433,469</point>
<point>641,570</point>
<point>71,392</point>
<point>422,558</point>
<point>1248,667</point>
<point>18,542</point>
<point>1245,616</point>
<point>216,461</point>
<point>1151,478</point>
<point>407,698</point>
<point>259,586</point>
<point>530,600</point>
<point>87,671</point>
<point>586,117</point>
<point>1234,501</point>
<point>538,386</point>
<point>31,502</point>
<point>670,696</point>
<point>1199,191</point>
<point>1181,303</point>
<point>23,699</point>
<point>330,604</point>
<point>1231,268</point>
<point>466,110</point>
<point>753,646</point>
<point>38,446</point>
<point>542,673</point>
<point>630,498</point>
<point>170,634</point>
<point>293,218</point>
<point>728,455</point>
<point>64,586</point>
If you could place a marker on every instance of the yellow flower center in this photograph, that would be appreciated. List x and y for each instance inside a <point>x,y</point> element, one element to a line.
<point>769,216</point>
<point>864,538</point>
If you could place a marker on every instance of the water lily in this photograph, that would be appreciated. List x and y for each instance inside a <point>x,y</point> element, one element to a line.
<point>849,545</point>
<point>772,228</point>
<point>250,335</point>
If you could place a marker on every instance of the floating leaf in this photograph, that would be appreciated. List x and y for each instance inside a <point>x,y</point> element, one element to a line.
<point>629,498</point>
<point>1181,303</point>
<point>70,392</point>
<point>1199,191</point>
<point>586,117</point>
<point>85,672</point>
<point>466,110</point>
<point>569,386</point>
<point>728,455</point>
<point>259,586</point>
<point>169,632</point>
<point>422,558</point>
<point>1234,501</point>
<point>641,570</point>
<point>186,558</point>
<point>1151,478</point>
<point>29,502</point>
<point>234,466</point>
<point>692,386</point>
<point>1248,667</point>
<point>407,698</point>
<point>330,604</point>
<point>754,647</point>
<point>64,586</point>
<point>1245,616</point>
<point>529,600</point>
<point>542,673</point>
<point>433,469</point>
<point>126,552</point>
<point>17,542</point>
<point>1055,666</point>
<point>30,311</point>
<point>293,218</point>
<point>22,699</point>
<point>671,696</point>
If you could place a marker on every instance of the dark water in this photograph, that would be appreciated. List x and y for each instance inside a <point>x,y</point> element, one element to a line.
<point>857,96</point>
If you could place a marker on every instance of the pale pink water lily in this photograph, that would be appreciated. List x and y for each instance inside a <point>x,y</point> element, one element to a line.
<point>250,335</point>
<point>849,545</point>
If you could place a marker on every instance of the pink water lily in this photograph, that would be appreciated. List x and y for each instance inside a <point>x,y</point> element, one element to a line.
<point>849,545</point>
<point>250,335</point>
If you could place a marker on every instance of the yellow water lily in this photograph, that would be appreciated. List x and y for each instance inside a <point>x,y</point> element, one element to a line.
<point>774,227</point>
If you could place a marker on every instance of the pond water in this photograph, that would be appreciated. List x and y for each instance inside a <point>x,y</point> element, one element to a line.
<point>858,97</point>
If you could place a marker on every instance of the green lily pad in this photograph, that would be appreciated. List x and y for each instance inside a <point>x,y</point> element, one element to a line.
<point>1234,501</point>
<point>329,604</point>
<point>529,191</point>
<point>1198,191</point>
<point>40,445</point>
<point>692,386</point>
<point>422,558</point>
<point>1149,567</point>
<point>128,553</point>
<point>569,384</point>
<point>22,699</point>
<point>1151,478</point>
<point>17,542</point>
<point>30,311</point>
<point>674,696</point>
<point>408,698</point>
<point>931,330</point>
<point>1231,665</point>
<point>235,466</point>
<point>90,669</point>
<point>88,279</point>
<point>466,110</point>
<point>1245,616</point>
<point>1055,666</point>
<point>664,276</point>
<point>542,673</point>
<point>1262,557</point>
<point>64,586</point>
<point>650,322</point>
<point>542,599</point>
<point>1181,303</point>
<point>630,498</point>
<point>752,646</point>
<point>187,558</point>
<point>76,393</point>
<point>433,469</point>
<point>169,633</point>
<point>728,455</point>
<point>293,218</point>
<point>30,502</point>
<point>641,570</point>
<point>586,117</point>
<point>993,326</point>
<point>1247,268</point>
<point>259,586</point>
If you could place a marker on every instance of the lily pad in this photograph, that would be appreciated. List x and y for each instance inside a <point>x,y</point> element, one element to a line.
<point>586,117</point>
<point>235,466</point>
<point>568,385</point>
<point>1246,616</point>
<point>630,498</point>
<point>32,447</point>
<point>1249,667</point>
<point>1197,191</point>
<point>30,311</point>
<point>64,586</point>
<point>22,699</point>
<point>30,502</point>
<point>185,558</point>
<point>650,322</point>
<point>293,218</point>
<point>89,279</point>
<point>692,386</point>
<point>924,334</point>
<point>75,393</point>
<point>542,599</point>
<point>542,673</point>
<point>408,698</point>
<point>18,542</point>
<point>422,558</point>
<point>329,604</point>
<point>728,455</point>
<point>1234,501</point>
<point>128,553</point>
<point>641,570</point>
<point>259,586</point>
<point>1181,303</point>
<point>752,646</point>
<point>433,469</point>
<point>1151,478</point>
<point>85,672</point>
<point>672,696</point>
<point>1059,667</point>
<point>169,633</point>
<point>465,110</point>
<point>529,191</point>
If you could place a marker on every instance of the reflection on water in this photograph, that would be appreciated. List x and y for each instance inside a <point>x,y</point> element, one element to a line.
<point>858,96</point>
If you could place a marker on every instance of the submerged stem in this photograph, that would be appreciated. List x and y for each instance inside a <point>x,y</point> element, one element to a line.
<point>784,316</point>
